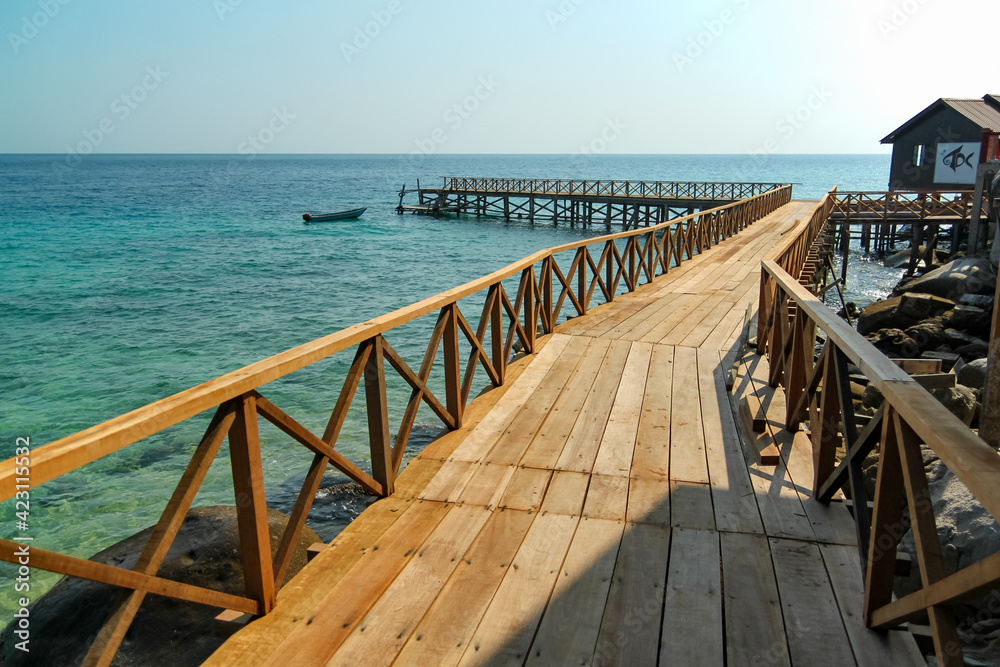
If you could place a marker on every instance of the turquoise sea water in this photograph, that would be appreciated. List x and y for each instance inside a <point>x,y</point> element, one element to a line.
<point>125,279</point>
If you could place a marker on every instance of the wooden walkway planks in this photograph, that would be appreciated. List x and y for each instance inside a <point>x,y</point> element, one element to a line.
<point>630,629</point>
<point>569,630</point>
<point>601,509</point>
<point>445,631</point>
<point>755,631</point>
<point>692,618</point>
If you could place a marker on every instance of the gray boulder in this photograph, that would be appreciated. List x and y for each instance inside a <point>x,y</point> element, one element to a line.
<point>872,397</point>
<point>928,334</point>
<point>65,621</point>
<point>968,275</point>
<point>970,319</point>
<point>973,374</point>
<point>968,534</point>
<point>894,343</point>
<point>883,315</point>
<point>960,401</point>
<point>900,312</point>
<point>924,305</point>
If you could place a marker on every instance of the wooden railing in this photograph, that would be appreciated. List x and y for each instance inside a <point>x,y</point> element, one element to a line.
<point>646,189</point>
<point>598,269</point>
<point>797,254</point>
<point>819,390</point>
<point>902,204</point>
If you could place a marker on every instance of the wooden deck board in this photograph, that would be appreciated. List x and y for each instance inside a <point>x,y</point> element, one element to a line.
<point>532,414</point>
<point>692,617</point>
<point>871,649</point>
<point>602,508</point>
<point>584,440</point>
<point>630,629</point>
<point>445,631</point>
<point>614,456</point>
<point>815,631</point>
<point>651,457</point>
<point>548,444</point>
<point>570,626</point>
<point>386,628</point>
<point>317,636</point>
<point>755,632</point>
<point>778,499</point>
<point>508,627</point>
<point>483,435</point>
<point>687,437</point>
<point>732,491</point>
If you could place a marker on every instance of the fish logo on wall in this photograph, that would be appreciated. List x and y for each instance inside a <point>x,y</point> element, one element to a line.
<point>956,158</point>
<point>956,163</point>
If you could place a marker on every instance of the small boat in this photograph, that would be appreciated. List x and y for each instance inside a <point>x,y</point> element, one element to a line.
<point>326,217</point>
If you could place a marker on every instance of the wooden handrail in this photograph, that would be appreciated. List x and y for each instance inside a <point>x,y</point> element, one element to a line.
<point>919,204</point>
<point>909,417</point>
<point>625,259</point>
<point>636,189</point>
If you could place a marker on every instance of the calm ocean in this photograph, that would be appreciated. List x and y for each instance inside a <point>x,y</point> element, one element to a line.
<point>124,279</point>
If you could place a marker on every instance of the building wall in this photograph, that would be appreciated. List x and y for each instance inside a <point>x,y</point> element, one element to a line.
<point>944,125</point>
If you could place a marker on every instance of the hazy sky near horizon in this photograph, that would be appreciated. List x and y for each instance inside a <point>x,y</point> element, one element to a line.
<point>518,76</point>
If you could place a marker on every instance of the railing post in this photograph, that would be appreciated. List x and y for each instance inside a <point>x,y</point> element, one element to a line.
<point>886,515</point>
<point>947,645</point>
<point>452,364</point>
<point>778,344</point>
<point>651,255</point>
<point>546,277</point>
<point>378,418</point>
<point>630,248</point>
<point>251,505</point>
<point>530,318</point>
<point>825,436</point>
<point>581,283</point>
<point>609,270</point>
<point>496,332</point>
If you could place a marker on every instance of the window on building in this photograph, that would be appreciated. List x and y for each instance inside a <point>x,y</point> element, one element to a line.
<point>919,155</point>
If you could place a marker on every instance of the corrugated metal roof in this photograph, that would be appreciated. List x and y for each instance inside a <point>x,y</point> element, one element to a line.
<point>984,114</point>
<point>978,111</point>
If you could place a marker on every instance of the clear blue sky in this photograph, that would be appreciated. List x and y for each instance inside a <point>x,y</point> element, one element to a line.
<point>517,76</point>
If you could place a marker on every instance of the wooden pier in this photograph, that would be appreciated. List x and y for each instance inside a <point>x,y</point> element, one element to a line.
<point>633,488</point>
<point>875,218</point>
<point>604,509</point>
<point>629,204</point>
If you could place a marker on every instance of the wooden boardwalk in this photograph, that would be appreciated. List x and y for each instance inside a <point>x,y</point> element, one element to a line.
<point>585,202</point>
<point>601,508</point>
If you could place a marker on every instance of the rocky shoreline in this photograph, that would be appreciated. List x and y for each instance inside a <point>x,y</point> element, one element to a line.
<point>937,327</point>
